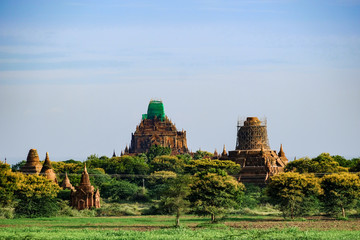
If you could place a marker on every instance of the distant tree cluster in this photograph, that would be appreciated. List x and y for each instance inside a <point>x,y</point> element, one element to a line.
<point>186,183</point>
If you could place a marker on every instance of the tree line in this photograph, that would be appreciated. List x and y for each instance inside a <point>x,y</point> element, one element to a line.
<point>195,184</point>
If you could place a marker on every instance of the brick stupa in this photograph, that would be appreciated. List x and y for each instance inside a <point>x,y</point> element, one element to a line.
<point>66,184</point>
<point>258,162</point>
<point>33,165</point>
<point>47,169</point>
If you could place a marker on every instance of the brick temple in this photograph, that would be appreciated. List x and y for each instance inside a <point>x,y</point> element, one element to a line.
<point>253,153</point>
<point>155,128</point>
<point>84,195</point>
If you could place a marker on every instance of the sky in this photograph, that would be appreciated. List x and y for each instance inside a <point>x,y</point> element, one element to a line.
<point>77,75</point>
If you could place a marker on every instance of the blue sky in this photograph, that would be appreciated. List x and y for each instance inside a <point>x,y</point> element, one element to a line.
<point>75,76</point>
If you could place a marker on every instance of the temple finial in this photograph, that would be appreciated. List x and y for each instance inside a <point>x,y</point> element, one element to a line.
<point>224,153</point>
<point>281,152</point>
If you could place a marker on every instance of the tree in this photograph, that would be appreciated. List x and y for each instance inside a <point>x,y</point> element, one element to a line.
<point>16,167</point>
<point>119,190</point>
<point>174,196</point>
<point>355,162</point>
<point>200,165</point>
<point>293,192</point>
<point>323,163</point>
<point>36,196</point>
<point>9,183</point>
<point>167,163</point>
<point>155,151</point>
<point>343,162</point>
<point>213,192</point>
<point>341,192</point>
<point>202,154</point>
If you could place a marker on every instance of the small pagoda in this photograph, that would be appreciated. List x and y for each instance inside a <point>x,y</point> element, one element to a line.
<point>66,184</point>
<point>84,195</point>
<point>32,165</point>
<point>47,169</point>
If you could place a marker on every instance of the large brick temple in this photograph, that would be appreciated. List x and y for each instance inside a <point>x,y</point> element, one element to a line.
<point>156,129</point>
<point>253,152</point>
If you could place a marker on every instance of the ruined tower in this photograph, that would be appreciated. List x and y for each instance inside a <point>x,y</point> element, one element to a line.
<point>156,129</point>
<point>47,169</point>
<point>253,152</point>
<point>32,165</point>
<point>84,195</point>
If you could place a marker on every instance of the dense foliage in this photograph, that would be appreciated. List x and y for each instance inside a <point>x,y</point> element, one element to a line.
<point>213,191</point>
<point>293,192</point>
<point>186,183</point>
<point>341,192</point>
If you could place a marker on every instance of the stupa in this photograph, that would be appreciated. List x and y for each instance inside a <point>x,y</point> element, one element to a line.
<point>66,184</point>
<point>253,153</point>
<point>47,169</point>
<point>32,165</point>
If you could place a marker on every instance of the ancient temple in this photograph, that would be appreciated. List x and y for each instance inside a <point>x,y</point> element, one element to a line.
<point>253,152</point>
<point>156,129</point>
<point>47,169</point>
<point>84,195</point>
<point>66,183</point>
<point>32,165</point>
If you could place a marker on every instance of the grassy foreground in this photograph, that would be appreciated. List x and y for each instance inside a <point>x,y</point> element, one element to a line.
<point>160,227</point>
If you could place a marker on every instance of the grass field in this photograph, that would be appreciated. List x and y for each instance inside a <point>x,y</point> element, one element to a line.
<point>161,227</point>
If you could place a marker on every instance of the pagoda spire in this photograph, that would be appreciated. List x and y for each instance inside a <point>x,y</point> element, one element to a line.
<point>281,152</point>
<point>224,153</point>
<point>114,154</point>
<point>85,180</point>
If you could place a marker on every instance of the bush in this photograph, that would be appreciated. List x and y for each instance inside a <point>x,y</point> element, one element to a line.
<point>119,190</point>
<point>36,207</point>
<point>116,209</point>
<point>7,212</point>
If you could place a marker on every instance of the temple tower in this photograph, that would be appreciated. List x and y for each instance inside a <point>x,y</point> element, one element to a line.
<point>47,169</point>
<point>156,129</point>
<point>33,165</point>
<point>66,184</point>
<point>253,153</point>
<point>84,195</point>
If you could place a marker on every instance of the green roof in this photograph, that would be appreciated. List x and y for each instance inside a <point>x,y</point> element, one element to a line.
<point>155,108</point>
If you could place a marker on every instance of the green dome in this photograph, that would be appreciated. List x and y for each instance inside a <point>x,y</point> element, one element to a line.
<point>155,108</point>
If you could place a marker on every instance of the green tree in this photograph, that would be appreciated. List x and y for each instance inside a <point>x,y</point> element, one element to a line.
<point>155,151</point>
<point>202,154</point>
<point>174,197</point>
<point>167,163</point>
<point>341,192</point>
<point>355,165</point>
<point>323,163</point>
<point>118,190</point>
<point>36,195</point>
<point>9,183</point>
<point>16,167</point>
<point>293,192</point>
<point>213,192</point>
<point>343,162</point>
<point>200,165</point>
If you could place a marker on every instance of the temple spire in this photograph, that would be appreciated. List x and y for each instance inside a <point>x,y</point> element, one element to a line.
<point>281,152</point>
<point>85,180</point>
<point>224,153</point>
<point>114,154</point>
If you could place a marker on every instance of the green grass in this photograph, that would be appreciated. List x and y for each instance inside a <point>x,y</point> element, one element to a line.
<point>173,233</point>
<point>158,227</point>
